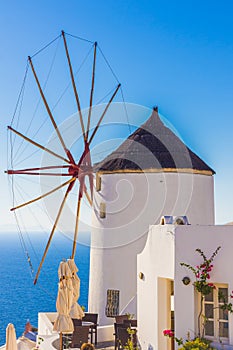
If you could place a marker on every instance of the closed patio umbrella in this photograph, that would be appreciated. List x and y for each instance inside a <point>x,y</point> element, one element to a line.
<point>76,310</point>
<point>11,337</point>
<point>63,323</point>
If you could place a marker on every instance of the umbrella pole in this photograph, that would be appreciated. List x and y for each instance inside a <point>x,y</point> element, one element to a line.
<point>61,347</point>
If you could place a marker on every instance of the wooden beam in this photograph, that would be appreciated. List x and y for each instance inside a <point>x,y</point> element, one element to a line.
<point>73,83</point>
<point>47,106</point>
<point>53,230</point>
<point>103,114</point>
<point>92,92</point>
<point>44,195</point>
<point>38,145</point>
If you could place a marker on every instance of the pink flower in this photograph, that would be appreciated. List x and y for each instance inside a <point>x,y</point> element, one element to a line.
<point>211,285</point>
<point>168,333</point>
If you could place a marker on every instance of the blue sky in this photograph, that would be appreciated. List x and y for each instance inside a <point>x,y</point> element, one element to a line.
<point>177,55</point>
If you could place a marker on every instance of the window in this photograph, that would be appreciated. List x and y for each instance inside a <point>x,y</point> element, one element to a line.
<point>102,210</point>
<point>217,323</point>
<point>98,182</point>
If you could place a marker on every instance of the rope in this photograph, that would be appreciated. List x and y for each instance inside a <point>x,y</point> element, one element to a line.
<point>19,103</point>
<point>22,242</point>
<point>23,245</point>
<point>39,100</point>
<point>113,73</point>
<point>20,93</point>
<point>24,248</point>
<point>108,64</point>
<point>26,158</point>
<point>75,74</point>
<point>126,112</point>
<point>37,106</point>
<point>103,98</point>
<point>44,87</point>
<point>60,98</point>
<point>45,47</point>
<point>79,38</point>
<point>46,291</point>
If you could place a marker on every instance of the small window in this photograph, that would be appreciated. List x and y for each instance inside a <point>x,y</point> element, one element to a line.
<point>102,210</point>
<point>98,182</point>
<point>112,307</point>
<point>217,324</point>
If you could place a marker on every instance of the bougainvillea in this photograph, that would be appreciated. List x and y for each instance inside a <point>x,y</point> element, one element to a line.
<point>202,273</point>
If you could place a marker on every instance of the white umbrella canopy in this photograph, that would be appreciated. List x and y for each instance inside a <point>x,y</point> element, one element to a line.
<point>76,310</point>
<point>11,343</point>
<point>64,322</point>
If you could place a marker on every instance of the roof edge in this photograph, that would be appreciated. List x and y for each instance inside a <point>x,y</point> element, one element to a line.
<point>162,170</point>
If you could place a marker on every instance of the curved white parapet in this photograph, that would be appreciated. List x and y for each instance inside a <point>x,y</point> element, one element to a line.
<point>22,344</point>
<point>47,341</point>
<point>45,323</point>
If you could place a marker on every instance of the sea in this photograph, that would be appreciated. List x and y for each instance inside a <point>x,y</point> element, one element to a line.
<point>20,299</point>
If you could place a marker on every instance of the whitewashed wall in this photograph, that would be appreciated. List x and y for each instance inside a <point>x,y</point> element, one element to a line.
<point>207,238</point>
<point>156,261</point>
<point>133,202</point>
<point>166,247</point>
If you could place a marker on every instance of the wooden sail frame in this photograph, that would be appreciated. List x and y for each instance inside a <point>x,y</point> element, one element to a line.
<point>76,170</point>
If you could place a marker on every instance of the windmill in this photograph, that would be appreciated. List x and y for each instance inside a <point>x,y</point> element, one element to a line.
<point>78,171</point>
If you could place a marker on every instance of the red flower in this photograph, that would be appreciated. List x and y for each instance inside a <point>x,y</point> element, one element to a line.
<point>168,333</point>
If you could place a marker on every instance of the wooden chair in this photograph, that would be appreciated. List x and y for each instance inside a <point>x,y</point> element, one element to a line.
<point>79,336</point>
<point>131,323</point>
<point>124,337</point>
<point>77,322</point>
<point>91,317</point>
<point>121,318</point>
<point>116,327</point>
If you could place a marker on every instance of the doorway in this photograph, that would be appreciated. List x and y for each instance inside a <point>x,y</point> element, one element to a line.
<point>166,317</point>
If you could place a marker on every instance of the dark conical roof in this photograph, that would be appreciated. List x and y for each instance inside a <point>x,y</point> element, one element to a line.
<point>153,147</point>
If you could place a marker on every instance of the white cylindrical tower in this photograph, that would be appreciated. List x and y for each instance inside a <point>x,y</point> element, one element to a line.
<point>150,175</point>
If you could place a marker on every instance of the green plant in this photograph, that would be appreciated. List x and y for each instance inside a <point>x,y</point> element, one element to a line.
<point>204,287</point>
<point>39,341</point>
<point>226,305</point>
<point>131,342</point>
<point>170,334</point>
<point>196,344</point>
<point>201,284</point>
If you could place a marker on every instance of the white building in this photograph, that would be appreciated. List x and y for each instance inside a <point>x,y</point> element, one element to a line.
<point>159,265</point>
<point>150,175</point>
